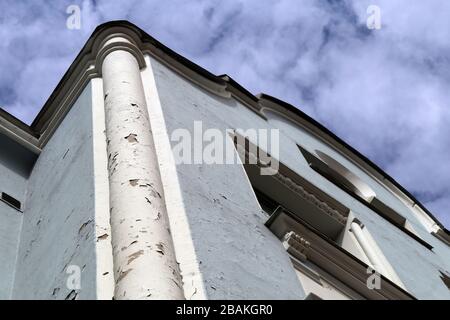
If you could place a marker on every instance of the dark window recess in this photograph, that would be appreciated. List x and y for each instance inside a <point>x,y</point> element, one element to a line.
<point>312,296</point>
<point>389,213</point>
<point>445,278</point>
<point>376,205</point>
<point>267,204</point>
<point>11,201</point>
<point>329,173</point>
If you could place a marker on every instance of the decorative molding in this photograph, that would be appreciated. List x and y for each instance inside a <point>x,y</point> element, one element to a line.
<point>19,135</point>
<point>72,94</point>
<point>323,206</point>
<point>218,89</point>
<point>118,41</point>
<point>332,258</point>
<point>296,245</point>
<point>311,198</point>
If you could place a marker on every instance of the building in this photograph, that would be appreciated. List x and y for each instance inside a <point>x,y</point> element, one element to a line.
<point>101,198</point>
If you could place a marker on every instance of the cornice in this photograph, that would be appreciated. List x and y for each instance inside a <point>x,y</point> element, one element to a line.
<point>218,88</point>
<point>18,132</point>
<point>118,41</point>
<point>323,206</point>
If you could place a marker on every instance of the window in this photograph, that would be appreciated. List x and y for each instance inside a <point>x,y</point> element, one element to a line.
<point>296,194</point>
<point>346,178</point>
<point>296,207</point>
<point>358,189</point>
<point>11,201</point>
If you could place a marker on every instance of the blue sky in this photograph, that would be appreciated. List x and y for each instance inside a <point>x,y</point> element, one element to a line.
<point>386,92</point>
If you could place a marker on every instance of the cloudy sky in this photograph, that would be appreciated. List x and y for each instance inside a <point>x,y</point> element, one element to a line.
<point>386,91</point>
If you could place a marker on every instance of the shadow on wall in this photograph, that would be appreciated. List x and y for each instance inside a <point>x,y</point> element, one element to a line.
<point>16,157</point>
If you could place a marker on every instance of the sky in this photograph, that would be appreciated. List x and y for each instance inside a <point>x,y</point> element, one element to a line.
<point>385,91</point>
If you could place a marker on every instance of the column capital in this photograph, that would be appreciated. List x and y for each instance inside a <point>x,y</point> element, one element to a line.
<point>118,41</point>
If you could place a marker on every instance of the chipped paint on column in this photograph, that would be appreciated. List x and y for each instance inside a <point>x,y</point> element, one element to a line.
<point>145,266</point>
<point>104,256</point>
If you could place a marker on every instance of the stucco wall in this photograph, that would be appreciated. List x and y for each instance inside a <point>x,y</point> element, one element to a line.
<point>239,257</point>
<point>10,221</point>
<point>58,224</point>
<point>15,165</point>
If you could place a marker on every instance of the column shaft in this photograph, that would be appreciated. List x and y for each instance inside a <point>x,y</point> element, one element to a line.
<point>145,266</point>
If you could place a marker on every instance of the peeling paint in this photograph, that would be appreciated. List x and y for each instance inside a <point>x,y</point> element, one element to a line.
<point>134,242</point>
<point>134,182</point>
<point>160,248</point>
<point>128,129</point>
<point>72,295</point>
<point>102,237</point>
<point>122,275</point>
<point>57,226</point>
<point>132,138</point>
<point>65,154</point>
<point>134,256</point>
<point>84,225</point>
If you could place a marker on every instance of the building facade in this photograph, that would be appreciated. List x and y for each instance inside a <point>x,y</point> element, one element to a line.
<point>145,176</point>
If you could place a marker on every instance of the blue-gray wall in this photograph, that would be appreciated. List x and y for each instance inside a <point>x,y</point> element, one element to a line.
<point>15,166</point>
<point>58,220</point>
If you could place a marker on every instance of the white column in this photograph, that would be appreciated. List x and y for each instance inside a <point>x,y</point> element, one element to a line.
<point>145,266</point>
<point>367,248</point>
